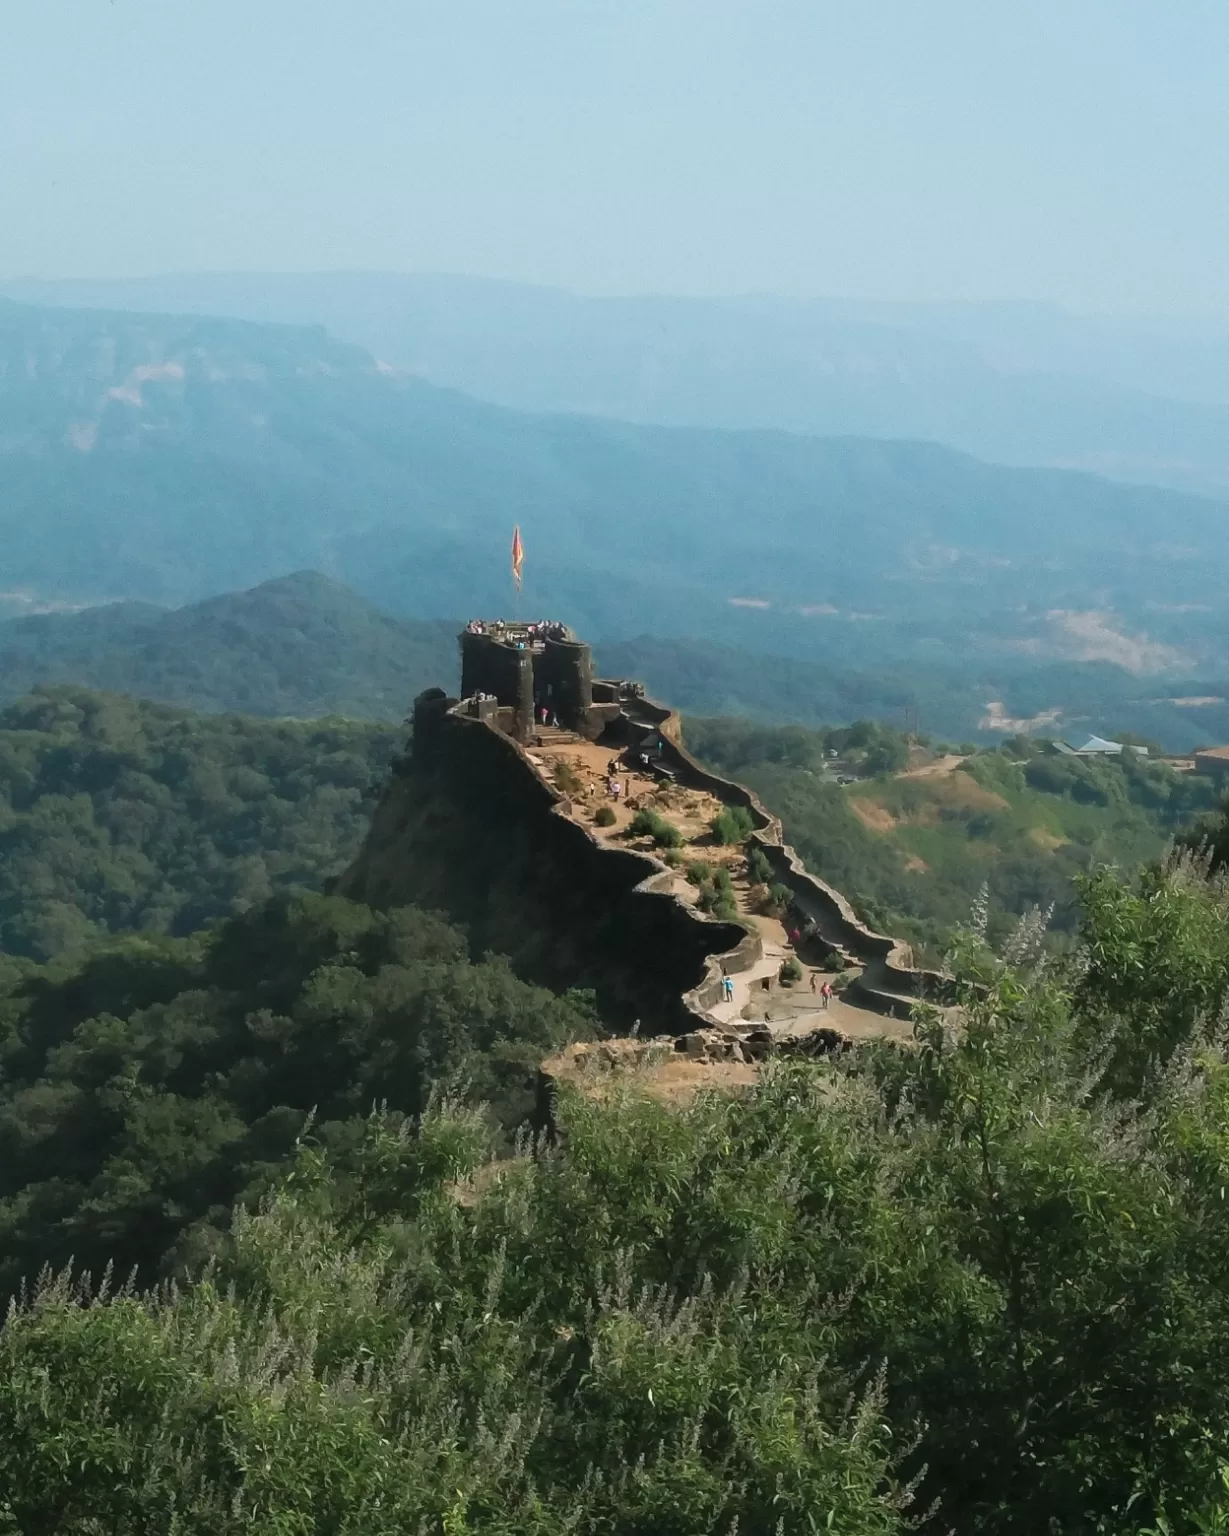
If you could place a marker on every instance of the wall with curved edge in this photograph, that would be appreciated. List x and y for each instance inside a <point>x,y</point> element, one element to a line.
<point>890,982</point>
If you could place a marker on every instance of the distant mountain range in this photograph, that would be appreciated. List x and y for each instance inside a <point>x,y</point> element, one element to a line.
<point>306,646</point>
<point>1015,383</point>
<point>169,458</point>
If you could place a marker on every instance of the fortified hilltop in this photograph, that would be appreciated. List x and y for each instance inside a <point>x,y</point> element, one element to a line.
<point>512,812</point>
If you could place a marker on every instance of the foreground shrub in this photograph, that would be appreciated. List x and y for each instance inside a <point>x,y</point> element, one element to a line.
<point>378,1357</point>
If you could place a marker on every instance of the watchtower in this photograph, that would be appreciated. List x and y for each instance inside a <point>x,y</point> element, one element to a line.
<point>528,668</point>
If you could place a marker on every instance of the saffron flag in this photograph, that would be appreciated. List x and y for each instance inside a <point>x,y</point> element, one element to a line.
<point>518,557</point>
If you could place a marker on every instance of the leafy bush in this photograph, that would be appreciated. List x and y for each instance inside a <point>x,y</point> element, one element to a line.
<point>720,903</point>
<point>732,825</point>
<point>790,972</point>
<point>698,872</point>
<point>604,816</point>
<point>759,870</point>
<point>663,1324</point>
<point>405,1338</point>
<point>567,780</point>
<point>995,772</point>
<point>779,897</point>
<point>648,823</point>
<point>886,757</point>
<point>757,898</point>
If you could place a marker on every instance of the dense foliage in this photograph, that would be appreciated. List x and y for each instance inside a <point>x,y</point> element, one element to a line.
<point>143,1089</point>
<point>914,851</point>
<point>976,1287</point>
<point>117,815</point>
<point>302,645</point>
<point>972,1287</point>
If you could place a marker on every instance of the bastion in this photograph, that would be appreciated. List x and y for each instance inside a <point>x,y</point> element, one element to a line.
<point>513,811</point>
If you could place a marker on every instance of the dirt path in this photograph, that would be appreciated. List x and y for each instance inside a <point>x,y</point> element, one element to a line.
<point>935,770</point>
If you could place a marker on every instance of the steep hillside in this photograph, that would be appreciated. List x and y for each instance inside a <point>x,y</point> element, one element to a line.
<point>166,459</point>
<point>302,645</point>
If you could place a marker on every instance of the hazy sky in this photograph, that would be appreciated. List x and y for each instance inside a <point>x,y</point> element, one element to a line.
<point>1075,150</point>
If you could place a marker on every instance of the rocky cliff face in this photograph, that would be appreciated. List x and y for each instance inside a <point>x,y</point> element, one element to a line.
<point>468,828</point>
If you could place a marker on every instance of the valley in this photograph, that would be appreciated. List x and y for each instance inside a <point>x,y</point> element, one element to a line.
<point>855,551</point>
<point>614,769</point>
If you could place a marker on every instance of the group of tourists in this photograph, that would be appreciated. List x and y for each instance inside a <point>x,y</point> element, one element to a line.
<point>825,992</point>
<point>540,629</point>
<point>616,788</point>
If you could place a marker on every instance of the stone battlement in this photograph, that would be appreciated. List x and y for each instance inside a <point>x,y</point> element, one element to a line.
<point>537,672</point>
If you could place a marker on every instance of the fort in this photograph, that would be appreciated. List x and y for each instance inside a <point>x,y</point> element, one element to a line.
<point>516,810</point>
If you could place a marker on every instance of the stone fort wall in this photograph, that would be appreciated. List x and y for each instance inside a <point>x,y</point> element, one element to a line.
<point>468,825</point>
<point>890,981</point>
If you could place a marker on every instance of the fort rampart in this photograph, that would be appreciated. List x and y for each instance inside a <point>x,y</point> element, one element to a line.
<point>889,982</point>
<point>470,825</point>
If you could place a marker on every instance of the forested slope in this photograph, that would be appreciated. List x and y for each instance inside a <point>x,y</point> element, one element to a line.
<point>146,1086</point>
<point>915,850</point>
<point>122,815</point>
<point>305,645</point>
<point>973,1286</point>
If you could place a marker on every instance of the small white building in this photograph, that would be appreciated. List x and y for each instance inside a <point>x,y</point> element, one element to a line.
<point>1097,746</point>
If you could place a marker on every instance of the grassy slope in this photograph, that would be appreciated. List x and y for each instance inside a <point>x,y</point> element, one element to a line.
<point>914,852</point>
